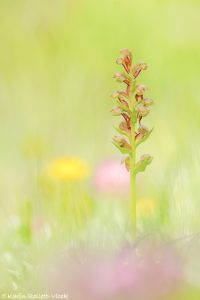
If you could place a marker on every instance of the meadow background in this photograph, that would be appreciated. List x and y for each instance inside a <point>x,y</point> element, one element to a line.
<point>57,59</point>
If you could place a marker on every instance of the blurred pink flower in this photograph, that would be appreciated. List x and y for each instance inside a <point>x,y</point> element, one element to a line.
<point>112,177</point>
<point>145,274</point>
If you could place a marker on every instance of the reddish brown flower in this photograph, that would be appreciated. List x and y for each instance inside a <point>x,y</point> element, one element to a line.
<point>125,59</point>
<point>138,68</point>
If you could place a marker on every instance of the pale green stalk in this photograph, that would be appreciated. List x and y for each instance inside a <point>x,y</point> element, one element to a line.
<point>133,215</point>
<point>133,189</point>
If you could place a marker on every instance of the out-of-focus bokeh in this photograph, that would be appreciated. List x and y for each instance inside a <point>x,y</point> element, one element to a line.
<point>57,59</point>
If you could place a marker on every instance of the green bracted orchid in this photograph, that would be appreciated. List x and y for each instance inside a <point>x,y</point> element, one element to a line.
<point>132,106</point>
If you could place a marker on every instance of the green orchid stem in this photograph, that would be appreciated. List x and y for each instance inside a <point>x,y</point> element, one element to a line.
<point>133,199</point>
<point>133,217</point>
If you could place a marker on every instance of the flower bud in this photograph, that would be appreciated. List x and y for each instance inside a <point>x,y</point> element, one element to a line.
<point>140,90</point>
<point>120,77</point>
<point>139,136</point>
<point>144,161</point>
<point>126,161</point>
<point>124,127</point>
<point>121,143</point>
<point>125,59</point>
<point>138,68</point>
<point>142,110</point>
<point>148,102</point>
<point>143,129</point>
<point>120,60</point>
<point>147,158</point>
<point>116,111</point>
<point>142,135</point>
<point>124,102</point>
<point>127,119</point>
<point>126,52</point>
<point>115,94</point>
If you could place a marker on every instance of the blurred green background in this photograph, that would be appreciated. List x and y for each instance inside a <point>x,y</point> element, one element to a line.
<point>57,59</point>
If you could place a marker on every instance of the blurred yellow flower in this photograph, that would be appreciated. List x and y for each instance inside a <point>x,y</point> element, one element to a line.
<point>145,207</point>
<point>68,169</point>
